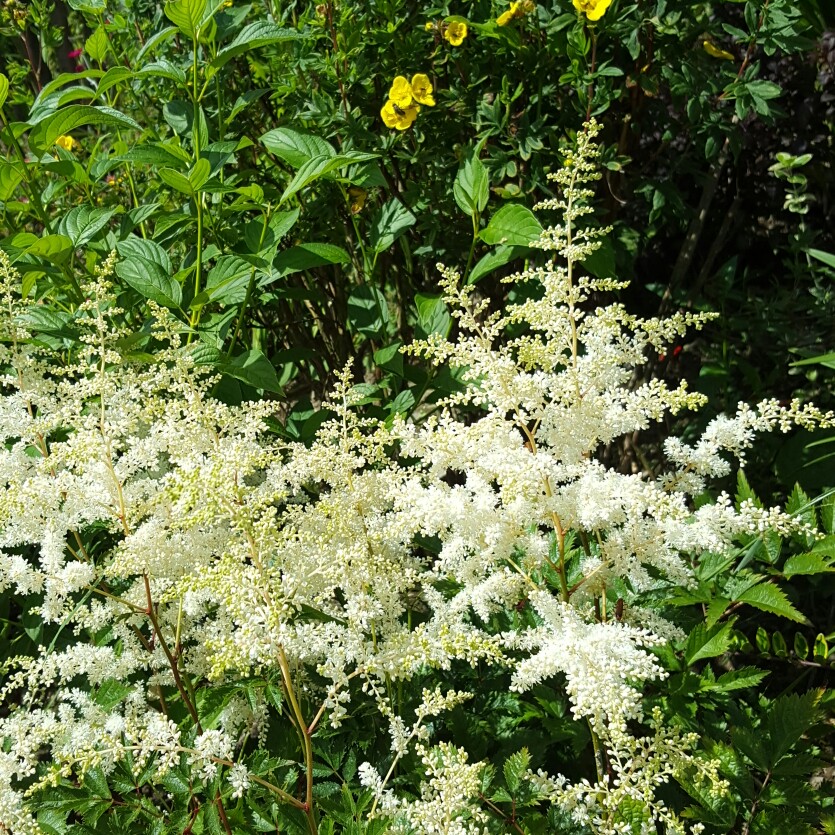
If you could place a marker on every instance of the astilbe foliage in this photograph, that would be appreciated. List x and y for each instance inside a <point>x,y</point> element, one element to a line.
<point>182,545</point>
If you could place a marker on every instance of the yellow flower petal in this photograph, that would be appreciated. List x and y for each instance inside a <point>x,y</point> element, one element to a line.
<point>715,52</point>
<point>592,9</point>
<point>66,142</point>
<point>504,18</point>
<point>398,117</point>
<point>455,32</point>
<point>401,92</point>
<point>429,26</point>
<point>422,89</point>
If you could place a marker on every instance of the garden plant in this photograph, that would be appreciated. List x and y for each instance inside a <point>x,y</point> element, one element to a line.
<point>376,448</point>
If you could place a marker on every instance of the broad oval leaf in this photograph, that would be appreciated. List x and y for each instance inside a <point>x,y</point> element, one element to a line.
<point>304,257</point>
<point>318,167</point>
<point>296,148</point>
<point>76,116</point>
<point>368,312</point>
<point>82,223</point>
<point>4,89</point>
<point>389,223</point>
<point>254,369</point>
<point>513,225</point>
<point>186,15</point>
<point>260,33</point>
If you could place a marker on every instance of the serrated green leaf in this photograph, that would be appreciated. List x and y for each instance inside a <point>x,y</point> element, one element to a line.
<point>514,768</point>
<point>513,225</point>
<point>789,717</point>
<point>769,598</point>
<point>737,680</point>
<point>744,491</point>
<point>808,563</point>
<point>707,642</point>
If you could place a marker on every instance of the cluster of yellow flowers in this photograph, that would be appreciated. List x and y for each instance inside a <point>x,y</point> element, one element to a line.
<point>516,10</point>
<point>404,100</point>
<point>453,31</point>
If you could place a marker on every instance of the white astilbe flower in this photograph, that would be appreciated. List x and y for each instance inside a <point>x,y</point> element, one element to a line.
<point>604,663</point>
<point>179,545</point>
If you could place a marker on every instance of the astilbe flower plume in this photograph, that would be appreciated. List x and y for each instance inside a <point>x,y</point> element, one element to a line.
<point>206,550</point>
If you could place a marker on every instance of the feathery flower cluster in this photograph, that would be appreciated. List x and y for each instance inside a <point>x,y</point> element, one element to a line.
<point>180,543</point>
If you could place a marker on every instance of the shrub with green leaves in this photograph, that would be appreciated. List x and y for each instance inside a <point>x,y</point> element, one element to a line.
<point>344,492</point>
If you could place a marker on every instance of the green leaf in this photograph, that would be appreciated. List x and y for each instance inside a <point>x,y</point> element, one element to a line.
<point>789,717</point>
<point>177,181</point>
<point>736,680</point>
<point>768,598</point>
<point>57,249</point>
<point>296,148</point>
<point>199,174</point>
<point>260,33</point>
<point>368,311</point>
<point>744,491</point>
<point>10,178</point>
<point>75,116</point>
<point>707,642</point>
<point>500,256</point>
<point>254,369</point>
<point>304,257</point>
<point>515,767</point>
<point>89,6</point>
<point>433,315</point>
<point>147,268</point>
<point>388,224</point>
<point>226,282</point>
<point>801,646</point>
<point>826,257</point>
<point>163,69</point>
<point>186,15</point>
<point>808,563</point>
<point>472,186</point>
<point>319,166</point>
<point>114,76</point>
<point>83,223</point>
<point>514,225</point>
<point>96,45</point>
<point>4,89</point>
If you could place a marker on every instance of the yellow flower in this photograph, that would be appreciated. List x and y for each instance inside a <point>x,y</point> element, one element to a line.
<point>429,26</point>
<point>398,117</point>
<point>455,32</point>
<point>66,142</point>
<point>422,89</point>
<point>592,9</point>
<point>715,52</point>
<point>516,10</point>
<point>401,92</point>
<point>357,196</point>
